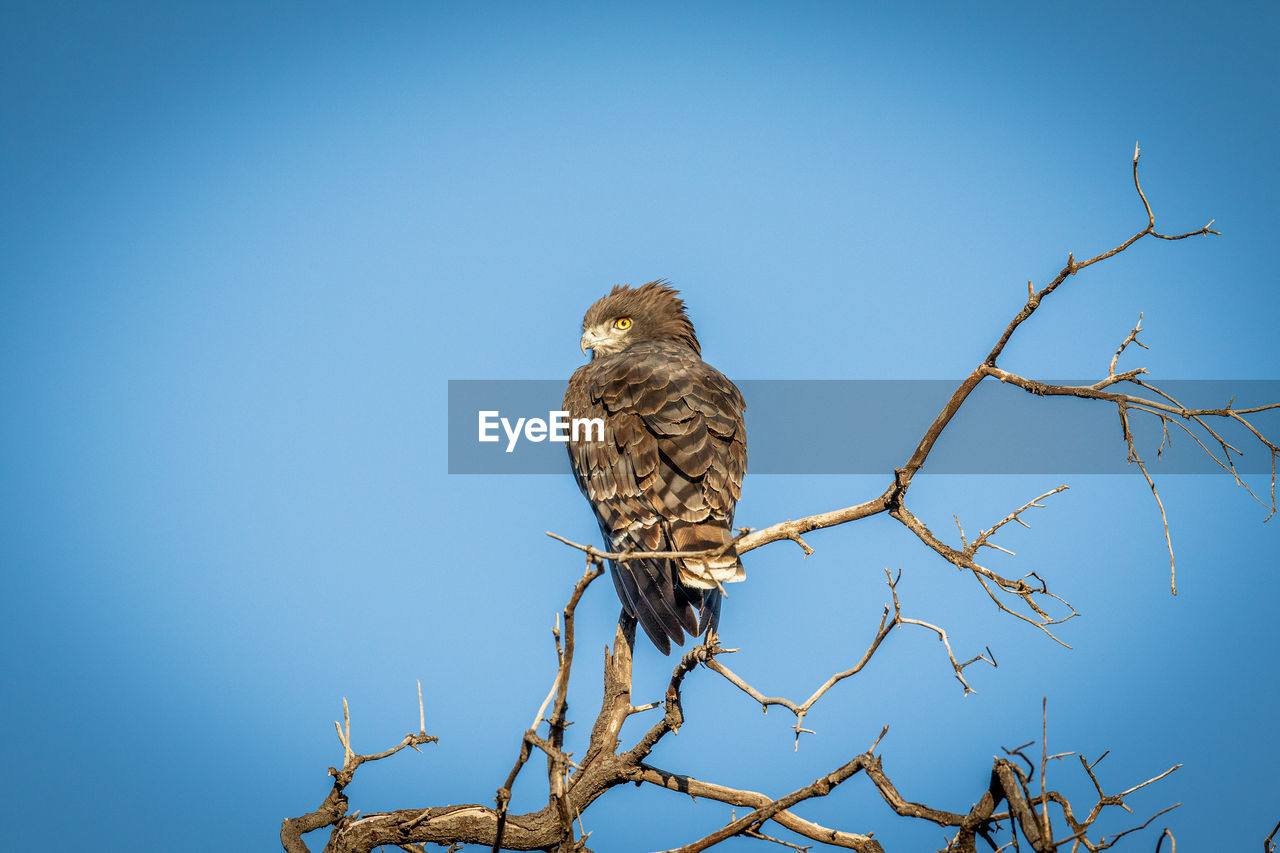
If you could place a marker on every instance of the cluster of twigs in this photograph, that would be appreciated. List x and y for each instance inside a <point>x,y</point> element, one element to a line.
<point>333,811</point>
<point>573,785</point>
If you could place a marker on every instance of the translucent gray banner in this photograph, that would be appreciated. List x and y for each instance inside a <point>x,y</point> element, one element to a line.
<point>872,426</point>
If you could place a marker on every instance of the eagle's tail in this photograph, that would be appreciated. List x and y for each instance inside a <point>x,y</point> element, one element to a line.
<point>709,612</point>
<point>668,612</point>
<point>672,598</point>
<point>649,593</point>
<point>666,609</point>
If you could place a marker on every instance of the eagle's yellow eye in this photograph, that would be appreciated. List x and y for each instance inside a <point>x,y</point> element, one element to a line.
<point>622,324</point>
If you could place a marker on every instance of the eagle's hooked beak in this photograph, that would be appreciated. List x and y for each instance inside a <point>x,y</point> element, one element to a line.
<point>590,339</point>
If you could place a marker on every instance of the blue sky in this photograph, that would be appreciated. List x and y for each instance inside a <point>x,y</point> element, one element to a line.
<point>245,248</point>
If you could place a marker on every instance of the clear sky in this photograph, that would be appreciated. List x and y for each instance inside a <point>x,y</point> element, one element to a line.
<point>246,245</point>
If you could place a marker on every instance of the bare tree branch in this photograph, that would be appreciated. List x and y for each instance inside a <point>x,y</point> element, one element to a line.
<point>605,764</point>
<point>557,761</point>
<point>820,787</point>
<point>733,796</point>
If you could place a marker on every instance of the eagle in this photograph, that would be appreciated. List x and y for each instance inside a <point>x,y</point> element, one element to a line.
<point>668,473</point>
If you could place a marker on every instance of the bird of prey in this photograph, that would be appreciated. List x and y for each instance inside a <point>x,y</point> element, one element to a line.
<point>668,473</point>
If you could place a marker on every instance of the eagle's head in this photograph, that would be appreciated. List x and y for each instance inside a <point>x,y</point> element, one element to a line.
<point>629,315</point>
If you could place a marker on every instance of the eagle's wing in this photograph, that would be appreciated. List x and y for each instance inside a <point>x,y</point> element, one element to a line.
<point>666,477</point>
